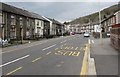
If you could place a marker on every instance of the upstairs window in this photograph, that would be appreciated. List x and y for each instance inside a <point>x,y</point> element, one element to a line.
<point>12,20</point>
<point>2,19</point>
<point>28,22</point>
<point>21,21</point>
<point>32,23</point>
<point>38,23</point>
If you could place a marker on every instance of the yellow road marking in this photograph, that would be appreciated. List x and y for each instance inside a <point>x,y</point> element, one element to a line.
<point>76,48</point>
<point>71,47</point>
<point>67,48</point>
<point>36,59</point>
<point>65,53</point>
<point>59,53</point>
<point>48,53</point>
<point>70,53</point>
<point>84,63</point>
<point>56,49</point>
<point>13,71</point>
<point>76,54</point>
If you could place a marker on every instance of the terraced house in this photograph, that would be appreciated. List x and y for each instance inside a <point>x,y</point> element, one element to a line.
<point>40,26</point>
<point>17,24</point>
<point>57,28</point>
<point>1,24</point>
<point>108,22</point>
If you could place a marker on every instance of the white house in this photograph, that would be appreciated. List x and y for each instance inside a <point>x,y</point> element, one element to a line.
<point>39,25</point>
<point>52,26</point>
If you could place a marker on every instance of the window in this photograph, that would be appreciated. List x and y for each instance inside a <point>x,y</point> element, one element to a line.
<point>21,21</point>
<point>38,29</point>
<point>74,29</point>
<point>3,18</point>
<point>38,23</point>
<point>12,33</point>
<point>32,23</point>
<point>12,20</point>
<point>28,22</point>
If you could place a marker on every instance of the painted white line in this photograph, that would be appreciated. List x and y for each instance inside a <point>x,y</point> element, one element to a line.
<point>93,41</point>
<point>89,41</point>
<point>14,60</point>
<point>49,47</point>
<point>63,41</point>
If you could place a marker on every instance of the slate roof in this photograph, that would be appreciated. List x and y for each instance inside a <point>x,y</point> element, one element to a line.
<point>37,16</point>
<point>12,9</point>
<point>55,21</point>
<point>15,10</point>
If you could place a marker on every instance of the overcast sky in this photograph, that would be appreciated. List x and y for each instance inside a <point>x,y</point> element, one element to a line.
<point>63,11</point>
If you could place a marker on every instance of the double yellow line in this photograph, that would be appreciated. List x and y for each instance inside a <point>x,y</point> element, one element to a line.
<point>84,63</point>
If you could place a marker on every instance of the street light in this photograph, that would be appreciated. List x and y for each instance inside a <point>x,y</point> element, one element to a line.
<point>100,23</point>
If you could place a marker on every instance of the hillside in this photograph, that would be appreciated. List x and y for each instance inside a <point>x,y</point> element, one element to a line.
<point>95,17</point>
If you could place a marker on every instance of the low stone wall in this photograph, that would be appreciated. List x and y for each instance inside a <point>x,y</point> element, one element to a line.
<point>115,37</point>
<point>97,34</point>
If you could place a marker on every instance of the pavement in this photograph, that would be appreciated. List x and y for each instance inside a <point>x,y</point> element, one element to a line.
<point>105,57</point>
<point>57,56</point>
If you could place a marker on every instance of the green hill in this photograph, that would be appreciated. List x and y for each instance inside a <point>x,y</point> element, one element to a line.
<point>95,17</point>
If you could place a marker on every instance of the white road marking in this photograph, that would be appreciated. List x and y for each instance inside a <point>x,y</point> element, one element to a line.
<point>63,41</point>
<point>89,41</point>
<point>93,41</point>
<point>49,47</point>
<point>14,60</point>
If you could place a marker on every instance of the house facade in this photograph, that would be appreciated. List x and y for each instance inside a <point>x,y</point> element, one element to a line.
<point>1,25</point>
<point>46,31</point>
<point>56,28</point>
<point>107,23</point>
<point>17,24</point>
<point>39,26</point>
<point>117,17</point>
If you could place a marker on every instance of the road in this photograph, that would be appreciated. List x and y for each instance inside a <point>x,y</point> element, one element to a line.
<point>57,56</point>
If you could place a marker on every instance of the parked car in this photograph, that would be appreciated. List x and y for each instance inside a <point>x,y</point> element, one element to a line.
<point>78,33</point>
<point>86,35</point>
<point>73,33</point>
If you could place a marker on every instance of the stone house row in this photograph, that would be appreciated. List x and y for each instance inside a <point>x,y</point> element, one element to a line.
<point>106,25</point>
<point>16,23</point>
<point>81,28</point>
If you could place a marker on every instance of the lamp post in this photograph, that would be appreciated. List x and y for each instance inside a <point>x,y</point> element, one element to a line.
<point>100,23</point>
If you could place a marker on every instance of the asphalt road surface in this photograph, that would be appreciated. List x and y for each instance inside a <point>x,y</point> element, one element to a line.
<point>57,56</point>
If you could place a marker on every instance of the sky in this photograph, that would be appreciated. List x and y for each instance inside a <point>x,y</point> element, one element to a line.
<point>62,11</point>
